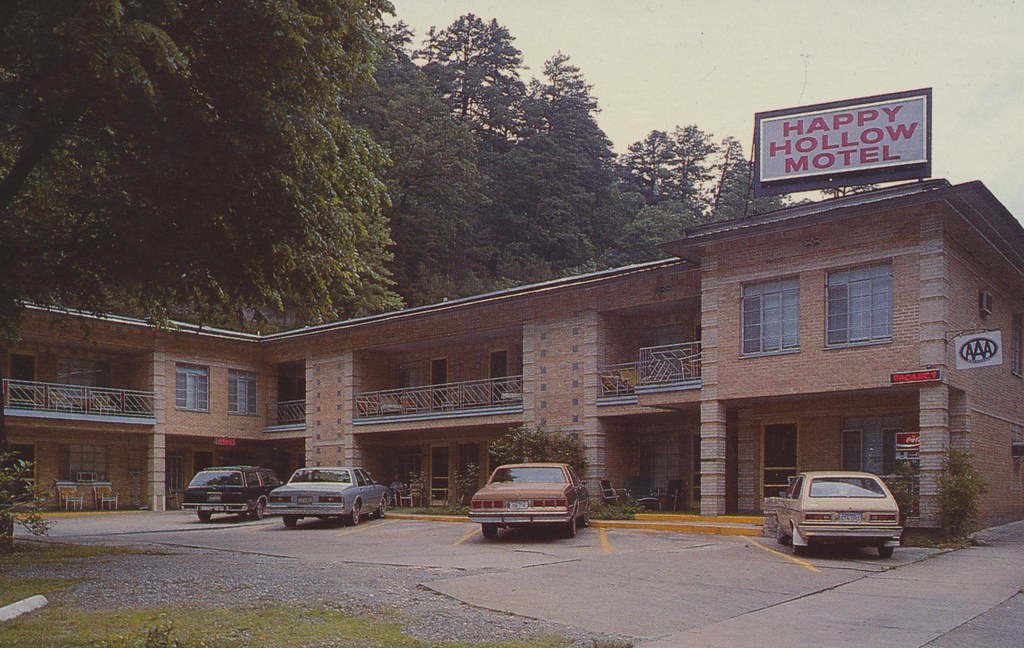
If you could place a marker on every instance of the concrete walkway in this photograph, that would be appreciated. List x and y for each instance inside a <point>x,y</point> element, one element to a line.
<point>970,597</point>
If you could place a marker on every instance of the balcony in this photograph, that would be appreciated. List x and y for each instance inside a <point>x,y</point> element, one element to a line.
<point>286,415</point>
<point>659,368</point>
<point>468,398</point>
<point>79,402</point>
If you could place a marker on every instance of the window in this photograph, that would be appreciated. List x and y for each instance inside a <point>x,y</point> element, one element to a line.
<point>771,316</point>
<point>174,479</point>
<point>76,371</point>
<point>859,304</point>
<point>869,444</point>
<point>1015,345</point>
<point>241,392</point>
<point>192,388</point>
<point>83,462</point>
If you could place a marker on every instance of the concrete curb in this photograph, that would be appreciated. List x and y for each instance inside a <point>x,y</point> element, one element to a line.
<point>18,608</point>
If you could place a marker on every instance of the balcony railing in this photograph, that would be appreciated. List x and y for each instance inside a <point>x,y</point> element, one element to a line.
<point>660,365</point>
<point>77,399</point>
<point>448,397</point>
<point>291,412</point>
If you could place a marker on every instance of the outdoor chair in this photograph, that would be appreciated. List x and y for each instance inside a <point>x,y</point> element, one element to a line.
<point>674,493</point>
<point>639,488</point>
<point>69,497</point>
<point>105,497</point>
<point>611,494</point>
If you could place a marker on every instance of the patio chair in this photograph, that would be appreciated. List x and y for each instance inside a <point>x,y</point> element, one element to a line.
<point>639,488</point>
<point>611,494</point>
<point>105,497</point>
<point>69,497</point>
<point>673,493</point>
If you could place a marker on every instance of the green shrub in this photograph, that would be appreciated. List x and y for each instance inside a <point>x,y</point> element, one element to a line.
<point>527,443</point>
<point>626,510</point>
<point>960,489</point>
<point>905,486</point>
<point>21,502</point>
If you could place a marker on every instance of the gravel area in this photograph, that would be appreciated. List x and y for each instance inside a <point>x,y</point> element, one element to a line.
<point>214,578</point>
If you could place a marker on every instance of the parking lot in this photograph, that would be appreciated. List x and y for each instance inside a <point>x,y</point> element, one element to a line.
<point>655,588</point>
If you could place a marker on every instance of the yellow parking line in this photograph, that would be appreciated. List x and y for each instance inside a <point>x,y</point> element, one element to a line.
<point>606,546</point>
<point>802,563</point>
<point>467,536</point>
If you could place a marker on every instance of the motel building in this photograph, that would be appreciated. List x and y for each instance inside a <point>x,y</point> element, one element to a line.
<point>847,333</point>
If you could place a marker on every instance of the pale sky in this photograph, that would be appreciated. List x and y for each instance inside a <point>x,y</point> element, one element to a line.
<point>658,64</point>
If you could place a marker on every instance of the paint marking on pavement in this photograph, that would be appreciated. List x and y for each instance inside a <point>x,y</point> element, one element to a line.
<point>802,563</point>
<point>606,546</point>
<point>467,536</point>
<point>356,529</point>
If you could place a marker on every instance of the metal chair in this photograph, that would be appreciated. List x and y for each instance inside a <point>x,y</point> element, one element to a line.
<point>611,494</point>
<point>70,497</point>
<point>105,498</point>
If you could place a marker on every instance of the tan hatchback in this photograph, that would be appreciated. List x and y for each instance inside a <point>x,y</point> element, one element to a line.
<point>839,507</point>
<point>531,494</point>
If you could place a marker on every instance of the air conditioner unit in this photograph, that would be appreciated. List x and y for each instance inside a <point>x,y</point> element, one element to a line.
<point>85,477</point>
<point>1017,449</point>
<point>984,302</point>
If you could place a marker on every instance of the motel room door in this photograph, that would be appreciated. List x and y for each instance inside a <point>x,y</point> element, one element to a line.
<point>779,458</point>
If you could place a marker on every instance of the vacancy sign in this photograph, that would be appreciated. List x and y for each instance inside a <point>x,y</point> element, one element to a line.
<point>858,141</point>
<point>979,350</point>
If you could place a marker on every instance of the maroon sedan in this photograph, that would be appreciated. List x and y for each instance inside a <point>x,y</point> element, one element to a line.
<point>529,494</point>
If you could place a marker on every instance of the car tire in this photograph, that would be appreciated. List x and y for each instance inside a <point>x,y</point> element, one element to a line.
<point>885,552</point>
<point>584,520</point>
<point>260,510</point>
<point>356,513</point>
<point>204,516</point>
<point>490,531</point>
<point>290,520</point>
<point>781,536</point>
<point>382,508</point>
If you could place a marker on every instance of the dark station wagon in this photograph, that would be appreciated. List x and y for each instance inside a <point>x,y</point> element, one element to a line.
<point>235,490</point>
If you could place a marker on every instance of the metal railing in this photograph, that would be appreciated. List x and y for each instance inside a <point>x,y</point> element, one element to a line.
<point>287,412</point>
<point>447,397</point>
<point>659,365</point>
<point>77,399</point>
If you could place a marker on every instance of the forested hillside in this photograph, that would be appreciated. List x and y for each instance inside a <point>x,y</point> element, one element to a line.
<point>497,180</point>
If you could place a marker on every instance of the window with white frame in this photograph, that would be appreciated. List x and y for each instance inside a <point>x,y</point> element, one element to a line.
<point>241,392</point>
<point>192,388</point>
<point>771,316</point>
<point>859,305</point>
<point>1016,343</point>
<point>869,443</point>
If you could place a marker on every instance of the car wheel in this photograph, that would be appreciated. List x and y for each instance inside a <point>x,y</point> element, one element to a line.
<point>204,516</point>
<point>356,513</point>
<point>382,508</point>
<point>885,552</point>
<point>290,520</point>
<point>490,531</point>
<point>260,511</point>
<point>584,520</point>
<point>780,534</point>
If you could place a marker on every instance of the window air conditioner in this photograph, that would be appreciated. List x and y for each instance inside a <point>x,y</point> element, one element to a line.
<point>984,302</point>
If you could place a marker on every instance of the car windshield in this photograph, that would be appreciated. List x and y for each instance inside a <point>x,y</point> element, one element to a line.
<point>216,478</point>
<point>541,475</point>
<point>318,475</point>
<point>846,487</point>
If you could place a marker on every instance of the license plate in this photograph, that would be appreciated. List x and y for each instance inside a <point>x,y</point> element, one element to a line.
<point>518,505</point>
<point>213,497</point>
<point>305,500</point>
<point>211,509</point>
<point>850,517</point>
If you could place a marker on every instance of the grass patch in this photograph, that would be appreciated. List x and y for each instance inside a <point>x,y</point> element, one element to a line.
<point>27,553</point>
<point>187,627</point>
<point>13,590</point>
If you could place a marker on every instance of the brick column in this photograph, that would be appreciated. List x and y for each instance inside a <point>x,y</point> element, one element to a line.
<point>933,402</point>
<point>712,458</point>
<point>749,462</point>
<point>156,470</point>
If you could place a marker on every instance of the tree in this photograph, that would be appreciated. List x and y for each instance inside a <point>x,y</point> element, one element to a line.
<point>188,156</point>
<point>646,166</point>
<point>528,443</point>
<point>20,501</point>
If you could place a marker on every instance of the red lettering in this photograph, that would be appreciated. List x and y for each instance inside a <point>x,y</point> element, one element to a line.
<point>902,131</point>
<point>872,135</point>
<point>847,140</point>
<point>789,127</point>
<point>824,161</point>
<point>869,155</point>
<point>847,156</point>
<point>887,156</point>
<point>775,147</point>
<point>817,124</point>
<point>796,164</point>
<point>806,144</point>
<point>865,116</point>
<point>891,112</point>
<point>840,120</point>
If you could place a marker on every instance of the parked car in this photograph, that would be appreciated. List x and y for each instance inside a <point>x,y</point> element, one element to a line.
<point>329,492</point>
<point>531,494</point>
<point>238,490</point>
<point>839,507</point>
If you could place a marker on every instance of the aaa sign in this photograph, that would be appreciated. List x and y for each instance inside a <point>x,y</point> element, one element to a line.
<point>979,350</point>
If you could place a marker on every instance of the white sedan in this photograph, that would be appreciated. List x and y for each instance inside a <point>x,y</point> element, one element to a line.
<point>329,492</point>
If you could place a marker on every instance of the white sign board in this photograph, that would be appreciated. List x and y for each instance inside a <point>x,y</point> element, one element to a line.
<point>979,350</point>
